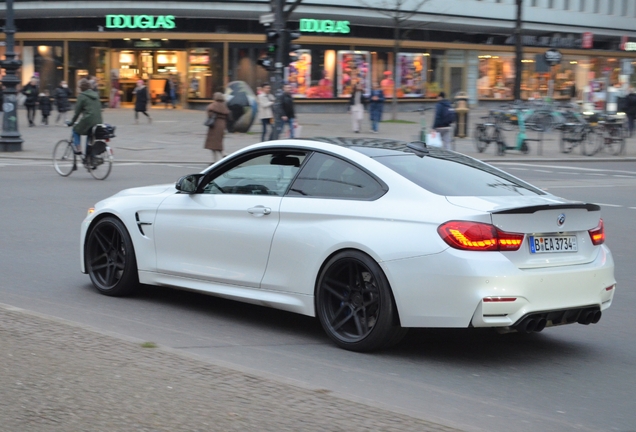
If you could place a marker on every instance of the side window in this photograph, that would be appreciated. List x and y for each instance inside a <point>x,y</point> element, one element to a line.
<point>261,174</point>
<point>327,176</point>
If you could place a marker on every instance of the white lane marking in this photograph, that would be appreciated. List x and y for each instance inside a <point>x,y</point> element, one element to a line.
<point>609,205</point>
<point>632,208</point>
<point>594,174</point>
<point>543,171</point>
<point>623,176</point>
<point>564,167</point>
<point>518,169</point>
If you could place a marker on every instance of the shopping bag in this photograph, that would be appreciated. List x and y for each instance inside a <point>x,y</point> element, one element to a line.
<point>434,139</point>
<point>298,129</point>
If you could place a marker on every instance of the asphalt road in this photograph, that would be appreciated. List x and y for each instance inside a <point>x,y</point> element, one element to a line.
<point>569,378</point>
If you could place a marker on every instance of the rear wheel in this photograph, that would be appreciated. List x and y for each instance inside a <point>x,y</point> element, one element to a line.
<point>63,158</point>
<point>100,161</point>
<point>590,144</point>
<point>355,305</point>
<point>110,258</point>
<point>614,141</point>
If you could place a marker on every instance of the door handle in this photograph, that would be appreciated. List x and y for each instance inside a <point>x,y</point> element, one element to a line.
<point>259,210</point>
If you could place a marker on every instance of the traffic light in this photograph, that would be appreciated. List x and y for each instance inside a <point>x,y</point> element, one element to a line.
<point>289,53</point>
<point>273,40</point>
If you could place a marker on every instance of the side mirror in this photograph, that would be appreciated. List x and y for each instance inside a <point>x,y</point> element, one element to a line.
<point>189,183</point>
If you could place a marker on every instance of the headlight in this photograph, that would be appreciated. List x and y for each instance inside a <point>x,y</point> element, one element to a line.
<point>90,211</point>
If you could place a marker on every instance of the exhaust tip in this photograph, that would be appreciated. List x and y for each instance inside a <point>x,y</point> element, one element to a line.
<point>596,317</point>
<point>541,323</point>
<point>586,317</point>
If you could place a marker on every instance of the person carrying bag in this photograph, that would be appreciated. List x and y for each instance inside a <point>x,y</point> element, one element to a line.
<point>218,114</point>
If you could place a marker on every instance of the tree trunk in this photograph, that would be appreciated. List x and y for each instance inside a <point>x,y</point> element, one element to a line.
<point>396,50</point>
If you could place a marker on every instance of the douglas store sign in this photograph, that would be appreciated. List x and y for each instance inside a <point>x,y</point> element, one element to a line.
<point>140,22</point>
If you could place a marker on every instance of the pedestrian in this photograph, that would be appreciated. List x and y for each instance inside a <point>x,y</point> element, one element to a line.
<point>141,101</point>
<point>288,116</point>
<point>31,92</point>
<point>214,140</point>
<point>265,101</point>
<point>61,95</point>
<point>376,106</point>
<point>170,93</point>
<point>357,102</point>
<point>444,117</point>
<point>630,110</point>
<point>44,103</point>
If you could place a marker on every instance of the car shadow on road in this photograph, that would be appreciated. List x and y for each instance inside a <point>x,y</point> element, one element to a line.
<point>486,345</point>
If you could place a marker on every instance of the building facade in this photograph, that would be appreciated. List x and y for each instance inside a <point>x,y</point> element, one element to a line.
<point>446,45</point>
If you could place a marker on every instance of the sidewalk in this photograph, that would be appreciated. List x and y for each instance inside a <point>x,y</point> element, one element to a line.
<point>177,136</point>
<point>57,376</point>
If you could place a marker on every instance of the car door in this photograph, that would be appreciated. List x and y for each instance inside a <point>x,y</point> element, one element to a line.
<point>223,233</point>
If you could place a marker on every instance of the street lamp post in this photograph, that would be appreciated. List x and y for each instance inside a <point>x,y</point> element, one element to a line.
<point>10,140</point>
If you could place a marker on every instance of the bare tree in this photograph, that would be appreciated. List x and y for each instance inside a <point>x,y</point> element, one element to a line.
<point>400,12</point>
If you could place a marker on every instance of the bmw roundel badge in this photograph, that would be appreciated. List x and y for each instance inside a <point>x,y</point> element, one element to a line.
<point>561,219</point>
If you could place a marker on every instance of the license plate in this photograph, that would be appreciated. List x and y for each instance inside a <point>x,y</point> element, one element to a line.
<point>552,244</point>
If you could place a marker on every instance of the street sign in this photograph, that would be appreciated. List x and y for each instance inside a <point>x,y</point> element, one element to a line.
<point>553,57</point>
<point>266,18</point>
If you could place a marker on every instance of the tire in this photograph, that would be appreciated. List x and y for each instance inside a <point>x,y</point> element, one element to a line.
<point>110,258</point>
<point>64,158</point>
<point>355,305</point>
<point>590,143</point>
<point>615,142</point>
<point>100,162</point>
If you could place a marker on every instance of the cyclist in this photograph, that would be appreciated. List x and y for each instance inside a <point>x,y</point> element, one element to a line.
<point>90,108</point>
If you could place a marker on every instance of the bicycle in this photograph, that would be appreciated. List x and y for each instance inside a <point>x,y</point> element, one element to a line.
<point>610,137</point>
<point>99,156</point>
<point>577,130</point>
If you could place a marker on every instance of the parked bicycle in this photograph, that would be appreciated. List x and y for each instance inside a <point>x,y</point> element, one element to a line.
<point>577,131</point>
<point>98,158</point>
<point>610,136</point>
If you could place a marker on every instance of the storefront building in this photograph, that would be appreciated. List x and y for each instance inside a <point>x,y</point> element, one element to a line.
<point>202,54</point>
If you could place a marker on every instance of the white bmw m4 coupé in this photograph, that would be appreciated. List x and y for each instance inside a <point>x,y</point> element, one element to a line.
<point>371,236</point>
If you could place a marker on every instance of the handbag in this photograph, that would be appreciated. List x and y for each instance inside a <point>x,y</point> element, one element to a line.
<point>434,139</point>
<point>209,122</point>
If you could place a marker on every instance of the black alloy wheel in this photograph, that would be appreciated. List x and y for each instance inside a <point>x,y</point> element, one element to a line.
<point>110,258</point>
<point>355,305</point>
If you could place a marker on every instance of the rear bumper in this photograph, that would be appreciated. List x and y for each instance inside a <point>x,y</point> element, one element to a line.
<point>448,289</point>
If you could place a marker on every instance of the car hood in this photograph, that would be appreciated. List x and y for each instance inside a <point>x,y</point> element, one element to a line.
<point>147,190</point>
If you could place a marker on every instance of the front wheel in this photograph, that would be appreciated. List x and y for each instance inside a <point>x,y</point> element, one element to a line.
<point>64,158</point>
<point>100,161</point>
<point>355,305</point>
<point>110,258</point>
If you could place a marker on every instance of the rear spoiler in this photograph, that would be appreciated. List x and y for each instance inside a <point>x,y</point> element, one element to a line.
<point>536,208</point>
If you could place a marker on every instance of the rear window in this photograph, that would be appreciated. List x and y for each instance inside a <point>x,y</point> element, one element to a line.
<point>457,175</point>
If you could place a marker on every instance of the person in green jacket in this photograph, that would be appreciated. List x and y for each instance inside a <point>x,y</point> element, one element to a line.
<point>90,108</point>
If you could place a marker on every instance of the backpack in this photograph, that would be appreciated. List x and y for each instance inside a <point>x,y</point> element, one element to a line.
<point>449,116</point>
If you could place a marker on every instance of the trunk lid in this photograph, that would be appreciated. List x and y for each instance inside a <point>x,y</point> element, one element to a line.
<point>556,230</point>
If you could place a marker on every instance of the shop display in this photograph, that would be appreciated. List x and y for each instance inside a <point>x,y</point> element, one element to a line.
<point>353,68</point>
<point>411,68</point>
<point>298,75</point>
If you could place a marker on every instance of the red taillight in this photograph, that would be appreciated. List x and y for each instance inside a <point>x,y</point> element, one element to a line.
<point>499,299</point>
<point>477,236</point>
<point>598,234</point>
